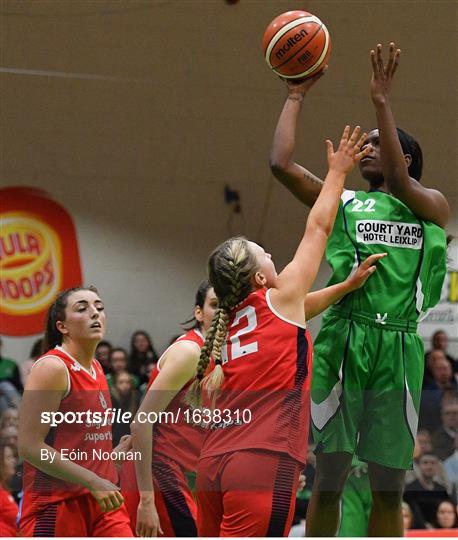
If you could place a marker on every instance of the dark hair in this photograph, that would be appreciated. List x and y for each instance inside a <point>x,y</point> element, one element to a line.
<point>410,146</point>
<point>133,351</point>
<point>201,294</point>
<point>37,349</point>
<point>119,349</point>
<point>56,313</point>
<point>104,343</point>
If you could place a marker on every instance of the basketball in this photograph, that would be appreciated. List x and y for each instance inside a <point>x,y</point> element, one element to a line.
<point>296,45</point>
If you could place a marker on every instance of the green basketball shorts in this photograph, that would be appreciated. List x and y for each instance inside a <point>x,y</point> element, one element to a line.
<point>355,507</point>
<point>366,387</point>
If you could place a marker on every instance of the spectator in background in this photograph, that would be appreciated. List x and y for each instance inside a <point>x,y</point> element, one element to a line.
<point>446,517</point>
<point>142,353</point>
<point>439,340</point>
<point>433,391</point>
<point>423,445</point>
<point>444,437</point>
<point>9,371</point>
<point>9,396</point>
<point>119,361</point>
<point>407,516</point>
<point>425,494</point>
<point>102,353</point>
<point>10,417</point>
<point>451,469</point>
<point>148,371</point>
<point>124,396</point>
<point>8,435</point>
<point>8,506</point>
<point>25,366</point>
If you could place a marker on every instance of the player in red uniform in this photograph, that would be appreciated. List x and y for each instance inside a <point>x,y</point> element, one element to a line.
<point>166,503</point>
<point>65,493</point>
<point>8,506</point>
<point>257,435</point>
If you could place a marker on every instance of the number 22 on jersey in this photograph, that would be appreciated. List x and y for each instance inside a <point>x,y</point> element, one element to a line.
<point>247,321</point>
<point>363,206</point>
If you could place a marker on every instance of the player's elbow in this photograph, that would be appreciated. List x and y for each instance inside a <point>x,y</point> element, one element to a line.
<point>278,167</point>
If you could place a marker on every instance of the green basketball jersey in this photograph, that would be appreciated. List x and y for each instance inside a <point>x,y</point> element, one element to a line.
<point>409,280</point>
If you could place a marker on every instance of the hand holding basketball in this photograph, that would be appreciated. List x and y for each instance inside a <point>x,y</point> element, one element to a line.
<point>302,86</point>
<point>382,75</point>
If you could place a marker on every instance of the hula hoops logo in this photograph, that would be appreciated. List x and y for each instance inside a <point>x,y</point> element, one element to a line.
<point>38,258</point>
<point>30,263</point>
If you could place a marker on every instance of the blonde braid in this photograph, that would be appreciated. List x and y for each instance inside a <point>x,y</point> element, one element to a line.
<point>214,380</point>
<point>193,396</point>
<point>231,267</point>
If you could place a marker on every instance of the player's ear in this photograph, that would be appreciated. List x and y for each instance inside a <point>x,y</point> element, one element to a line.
<point>260,279</point>
<point>198,314</point>
<point>408,159</point>
<point>60,325</point>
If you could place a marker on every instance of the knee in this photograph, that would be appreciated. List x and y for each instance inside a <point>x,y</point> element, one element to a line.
<point>330,483</point>
<point>388,500</point>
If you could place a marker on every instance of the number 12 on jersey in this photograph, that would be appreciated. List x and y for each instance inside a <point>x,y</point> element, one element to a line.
<point>246,318</point>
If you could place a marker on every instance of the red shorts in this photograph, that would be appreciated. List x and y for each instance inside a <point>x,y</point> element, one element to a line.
<point>174,502</point>
<point>77,516</point>
<point>246,493</point>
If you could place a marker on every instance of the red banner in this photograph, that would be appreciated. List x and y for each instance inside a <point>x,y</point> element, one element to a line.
<point>39,257</point>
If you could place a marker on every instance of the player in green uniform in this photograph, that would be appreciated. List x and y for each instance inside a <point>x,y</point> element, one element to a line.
<point>356,501</point>
<point>368,361</point>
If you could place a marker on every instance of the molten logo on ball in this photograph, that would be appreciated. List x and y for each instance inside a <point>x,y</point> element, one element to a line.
<point>290,43</point>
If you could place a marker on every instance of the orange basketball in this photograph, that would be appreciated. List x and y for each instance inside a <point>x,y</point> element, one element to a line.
<point>296,45</point>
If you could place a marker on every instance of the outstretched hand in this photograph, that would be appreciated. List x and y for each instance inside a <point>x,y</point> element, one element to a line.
<point>364,271</point>
<point>382,75</point>
<point>349,151</point>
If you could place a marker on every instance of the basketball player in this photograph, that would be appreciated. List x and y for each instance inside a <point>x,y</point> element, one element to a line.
<point>166,505</point>
<point>368,362</point>
<point>257,432</point>
<point>63,495</point>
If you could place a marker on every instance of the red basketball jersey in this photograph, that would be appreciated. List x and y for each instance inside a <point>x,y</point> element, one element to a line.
<point>179,440</point>
<point>86,391</point>
<point>264,401</point>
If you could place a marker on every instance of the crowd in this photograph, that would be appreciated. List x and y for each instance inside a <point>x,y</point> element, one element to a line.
<point>431,490</point>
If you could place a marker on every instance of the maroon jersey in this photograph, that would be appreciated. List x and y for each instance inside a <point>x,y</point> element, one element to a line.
<point>264,402</point>
<point>179,440</point>
<point>89,441</point>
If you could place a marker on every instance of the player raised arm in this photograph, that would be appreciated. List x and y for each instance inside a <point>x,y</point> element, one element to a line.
<point>295,280</point>
<point>428,204</point>
<point>302,183</point>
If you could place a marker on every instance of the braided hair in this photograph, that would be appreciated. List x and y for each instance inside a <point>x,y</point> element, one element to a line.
<point>230,268</point>
<point>56,313</point>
